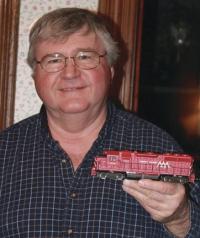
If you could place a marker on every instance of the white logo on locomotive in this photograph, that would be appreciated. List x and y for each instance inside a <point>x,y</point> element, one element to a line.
<point>163,164</point>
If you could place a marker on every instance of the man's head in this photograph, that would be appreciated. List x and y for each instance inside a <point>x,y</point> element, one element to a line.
<point>61,23</point>
<point>72,55</point>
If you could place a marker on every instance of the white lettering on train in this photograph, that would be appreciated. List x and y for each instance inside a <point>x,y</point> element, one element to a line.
<point>163,164</point>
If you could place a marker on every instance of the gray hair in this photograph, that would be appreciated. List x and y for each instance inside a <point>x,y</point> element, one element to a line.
<point>61,23</point>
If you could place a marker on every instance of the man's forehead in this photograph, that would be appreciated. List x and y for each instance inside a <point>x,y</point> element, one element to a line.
<point>64,38</point>
<point>70,45</point>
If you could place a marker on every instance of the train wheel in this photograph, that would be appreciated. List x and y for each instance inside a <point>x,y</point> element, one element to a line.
<point>175,179</point>
<point>102,175</point>
<point>166,178</point>
<point>183,179</point>
<point>119,176</point>
<point>115,176</point>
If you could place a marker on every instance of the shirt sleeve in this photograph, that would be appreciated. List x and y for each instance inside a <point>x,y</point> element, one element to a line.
<point>194,195</point>
<point>194,231</point>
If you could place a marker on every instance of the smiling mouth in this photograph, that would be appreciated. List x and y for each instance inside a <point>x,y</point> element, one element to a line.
<point>71,89</point>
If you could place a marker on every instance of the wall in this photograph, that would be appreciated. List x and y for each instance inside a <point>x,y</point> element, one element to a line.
<point>27,102</point>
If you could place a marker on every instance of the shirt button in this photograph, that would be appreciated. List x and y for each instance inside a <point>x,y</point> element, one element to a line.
<point>70,231</point>
<point>64,161</point>
<point>73,195</point>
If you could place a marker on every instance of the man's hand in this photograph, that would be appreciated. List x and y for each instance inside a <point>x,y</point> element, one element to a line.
<point>165,202</point>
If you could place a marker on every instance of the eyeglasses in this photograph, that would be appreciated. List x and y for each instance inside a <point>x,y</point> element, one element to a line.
<point>56,62</point>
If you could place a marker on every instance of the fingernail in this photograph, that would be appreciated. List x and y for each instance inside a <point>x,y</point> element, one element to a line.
<point>141,182</point>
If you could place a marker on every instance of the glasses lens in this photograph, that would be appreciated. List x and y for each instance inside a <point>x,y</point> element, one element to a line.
<point>87,59</point>
<point>84,59</point>
<point>53,63</point>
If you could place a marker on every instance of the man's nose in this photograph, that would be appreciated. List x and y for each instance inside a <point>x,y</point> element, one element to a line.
<point>70,69</point>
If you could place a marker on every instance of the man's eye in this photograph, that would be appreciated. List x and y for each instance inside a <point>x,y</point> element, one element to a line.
<point>84,56</point>
<point>54,61</point>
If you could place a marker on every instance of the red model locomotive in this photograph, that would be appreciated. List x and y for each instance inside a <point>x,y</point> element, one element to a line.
<point>135,165</point>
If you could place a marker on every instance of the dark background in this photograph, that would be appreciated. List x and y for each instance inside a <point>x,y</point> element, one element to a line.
<point>169,93</point>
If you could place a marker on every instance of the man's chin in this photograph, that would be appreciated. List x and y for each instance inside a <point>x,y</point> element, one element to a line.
<point>74,108</point>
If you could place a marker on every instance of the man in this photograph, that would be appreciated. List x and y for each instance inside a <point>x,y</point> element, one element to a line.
<point>46,187</point>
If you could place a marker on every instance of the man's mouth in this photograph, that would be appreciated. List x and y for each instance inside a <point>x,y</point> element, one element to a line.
<point>70,89</point>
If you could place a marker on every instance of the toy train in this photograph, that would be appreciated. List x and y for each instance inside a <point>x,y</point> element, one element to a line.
<point>136,165</point>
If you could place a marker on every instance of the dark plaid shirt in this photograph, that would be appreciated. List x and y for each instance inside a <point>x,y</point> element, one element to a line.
<point>42,197</point>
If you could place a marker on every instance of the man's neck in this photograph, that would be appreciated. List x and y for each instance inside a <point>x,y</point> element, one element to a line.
<point>76,134</point>
<point>76,126</point>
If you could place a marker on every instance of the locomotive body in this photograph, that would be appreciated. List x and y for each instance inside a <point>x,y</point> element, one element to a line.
<point>136,165</point>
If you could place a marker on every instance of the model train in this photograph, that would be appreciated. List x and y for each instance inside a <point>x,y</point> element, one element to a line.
<point>135,165</point>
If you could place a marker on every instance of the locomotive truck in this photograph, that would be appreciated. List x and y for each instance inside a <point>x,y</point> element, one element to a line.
<point>135,165</point>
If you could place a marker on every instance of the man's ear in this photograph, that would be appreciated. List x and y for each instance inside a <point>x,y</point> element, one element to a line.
<point>33,73</point>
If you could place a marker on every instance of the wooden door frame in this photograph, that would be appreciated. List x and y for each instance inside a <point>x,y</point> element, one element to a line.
<point>127,18</point>
<point>9,24</point>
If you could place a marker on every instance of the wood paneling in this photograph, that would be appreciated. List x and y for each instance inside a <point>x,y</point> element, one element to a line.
<point>9,21</point>
<point>127,18</point>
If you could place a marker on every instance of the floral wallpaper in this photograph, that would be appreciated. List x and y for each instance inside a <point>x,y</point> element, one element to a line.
<point>27,102</point>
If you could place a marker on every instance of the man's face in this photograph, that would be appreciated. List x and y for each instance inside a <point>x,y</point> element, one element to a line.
<point>73,90</point>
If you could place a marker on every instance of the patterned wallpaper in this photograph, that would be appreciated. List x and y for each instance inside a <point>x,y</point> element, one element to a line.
<point>27,102</point>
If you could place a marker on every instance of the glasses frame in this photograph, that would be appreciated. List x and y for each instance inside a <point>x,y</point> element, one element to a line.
<point>69,57</point>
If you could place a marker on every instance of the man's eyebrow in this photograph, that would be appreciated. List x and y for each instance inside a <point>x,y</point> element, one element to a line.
<point>85,49</point>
